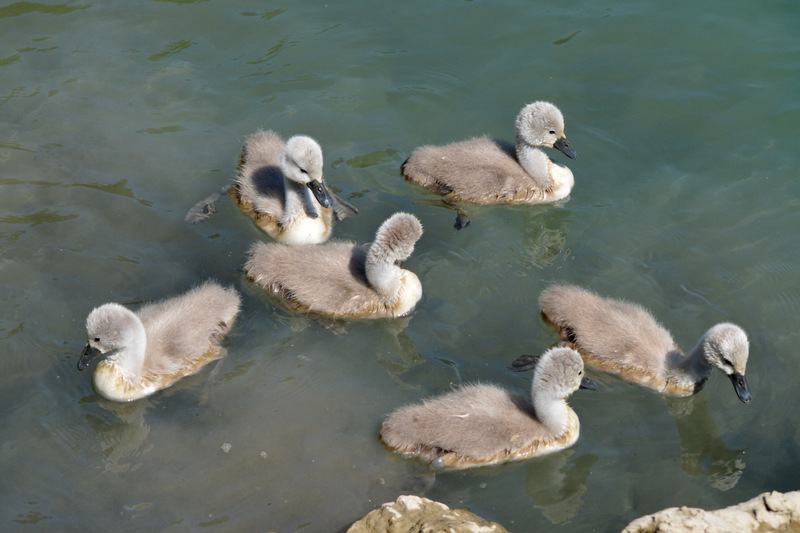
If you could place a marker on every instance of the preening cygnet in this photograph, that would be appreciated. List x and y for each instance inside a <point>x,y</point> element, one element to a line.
<point>485,424</point>
<point>342,279</point>
<point>623,338</point>
<point>280,185</point>
<point>151,349</point>
<point>487,171</point>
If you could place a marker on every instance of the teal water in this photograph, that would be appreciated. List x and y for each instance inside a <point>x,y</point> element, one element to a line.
<point>116,117</point>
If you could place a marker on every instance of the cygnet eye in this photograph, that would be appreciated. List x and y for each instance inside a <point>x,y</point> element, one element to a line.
<point>97,339</point>
<point>552,132</point>
<point>580,372</point>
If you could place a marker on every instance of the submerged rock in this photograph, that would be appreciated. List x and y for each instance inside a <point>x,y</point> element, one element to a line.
<point>770,511</point>
<point>412,514</point>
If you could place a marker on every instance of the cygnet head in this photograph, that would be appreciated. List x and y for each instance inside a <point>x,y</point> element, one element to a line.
<point>726,347</point>
<point>542,124</point>
<point>301,162</point>
<point>395,239</point>
<point>558,373</point>
<point>110,328</point>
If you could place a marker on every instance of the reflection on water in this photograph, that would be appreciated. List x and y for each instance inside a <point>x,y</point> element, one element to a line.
<point>703,452</point>
<point>121,434</point>
<point>121,428</point>
<point>545,237</point>
<point>398,354</point>
<point>556,485</point>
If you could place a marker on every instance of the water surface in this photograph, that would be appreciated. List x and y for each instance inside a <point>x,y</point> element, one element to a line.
<point>116,117</point>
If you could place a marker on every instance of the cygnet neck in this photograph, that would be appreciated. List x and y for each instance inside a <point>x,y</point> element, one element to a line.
<point>551,411</point>
<point>535,162</point>
<point>130,358</point>
<point>382,273</point>
<point>697,366</point>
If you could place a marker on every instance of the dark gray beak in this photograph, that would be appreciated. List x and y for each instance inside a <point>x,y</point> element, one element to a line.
<point>320,193</point>
<point>89,355</point>
<point>563,146</point>
<point>740,386</point>
<point>588,383</point>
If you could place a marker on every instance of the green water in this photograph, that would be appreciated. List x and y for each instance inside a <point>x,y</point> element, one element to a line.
<point>116,117</point>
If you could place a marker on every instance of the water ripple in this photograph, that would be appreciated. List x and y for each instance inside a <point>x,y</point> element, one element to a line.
<point>45,216</point>
<point>172,49</point>
<point>23,8</point>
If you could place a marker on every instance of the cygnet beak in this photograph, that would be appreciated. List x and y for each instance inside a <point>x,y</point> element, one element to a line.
<point>563,146</point>
<point>740,386</point>
<point>588,383</point>
<point>320,193</point>
<point>90,353</point>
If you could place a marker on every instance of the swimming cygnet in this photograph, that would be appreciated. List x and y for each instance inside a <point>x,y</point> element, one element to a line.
<point>342,279</point>
<point>489,171</point>
<point>483,424</point>
<point>623,338</point>
<point>151,349</point>
<point>281,187</point>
